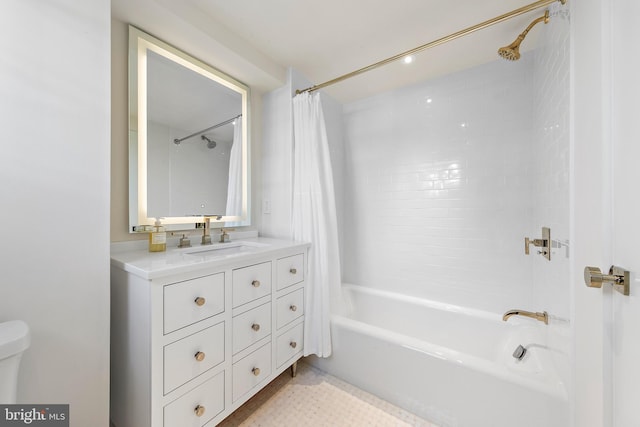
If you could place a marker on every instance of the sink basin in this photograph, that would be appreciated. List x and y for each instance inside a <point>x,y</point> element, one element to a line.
<point>224,249</point>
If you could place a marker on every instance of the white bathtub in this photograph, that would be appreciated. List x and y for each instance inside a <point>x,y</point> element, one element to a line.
<point>448,364</point>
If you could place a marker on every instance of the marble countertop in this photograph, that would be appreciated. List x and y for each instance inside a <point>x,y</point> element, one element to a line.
<point>152,265</point>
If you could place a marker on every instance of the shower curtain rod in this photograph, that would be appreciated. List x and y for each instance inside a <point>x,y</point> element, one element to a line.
<point>179,140</point>
<point>533,6</point>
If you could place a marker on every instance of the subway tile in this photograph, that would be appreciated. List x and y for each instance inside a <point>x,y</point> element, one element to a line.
<point>437,208</point>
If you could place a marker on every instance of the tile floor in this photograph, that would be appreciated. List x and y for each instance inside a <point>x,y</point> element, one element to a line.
<point>314,398</point>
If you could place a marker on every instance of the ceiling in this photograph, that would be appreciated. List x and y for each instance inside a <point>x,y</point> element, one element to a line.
<point>327,39</point>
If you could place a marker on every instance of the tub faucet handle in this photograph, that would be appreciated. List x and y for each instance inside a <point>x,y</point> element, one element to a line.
<point>544,243</point>
<point>541,243</point>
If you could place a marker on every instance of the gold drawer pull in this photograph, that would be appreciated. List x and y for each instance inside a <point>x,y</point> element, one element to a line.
<point>255,327</point>
<point>256,371</point>
<point>199,410</point>
<point>255,283</point>
<point>200,301</point>
<point>199,356</point>
<point>293,271</point>
<point>293,307</point>
<point>293,344</point>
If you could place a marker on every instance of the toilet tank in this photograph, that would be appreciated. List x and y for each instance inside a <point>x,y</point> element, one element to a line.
<point>14,340</point>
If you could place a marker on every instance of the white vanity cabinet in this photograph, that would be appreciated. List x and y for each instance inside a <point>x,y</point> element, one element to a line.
<point>195,336</point>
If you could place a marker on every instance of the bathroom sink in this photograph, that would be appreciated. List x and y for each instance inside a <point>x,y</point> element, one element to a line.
<point>224,249</point>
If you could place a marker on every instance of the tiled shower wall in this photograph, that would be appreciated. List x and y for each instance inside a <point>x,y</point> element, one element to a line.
<point>551,164</point>
<point>551,286</point>
<point>439,178</point>
<point>444,179</point>
<point>177,184</point>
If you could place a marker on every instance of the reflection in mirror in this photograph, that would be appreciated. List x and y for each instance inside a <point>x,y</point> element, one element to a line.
<point>188,139</point>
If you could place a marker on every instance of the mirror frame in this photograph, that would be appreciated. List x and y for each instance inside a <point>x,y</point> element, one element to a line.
<point>139,43</point>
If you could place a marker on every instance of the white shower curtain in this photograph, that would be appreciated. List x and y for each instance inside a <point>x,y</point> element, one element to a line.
<point>314,220</point>
<point>234,186</point>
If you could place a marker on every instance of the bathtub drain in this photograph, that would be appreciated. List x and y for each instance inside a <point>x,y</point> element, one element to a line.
<point>519,352</point>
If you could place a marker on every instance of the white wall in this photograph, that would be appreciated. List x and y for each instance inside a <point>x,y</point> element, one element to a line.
<point>551,158</point>
<point>438,178</point>
<point>591,181</point>
<point>626,210</point>
<point>551,163</point>
<point>275,204</point>
<point>278,151</point>
<point>604,209</point>
<point>54,81</point>
<point>445,179</point>
<point>551,180</point>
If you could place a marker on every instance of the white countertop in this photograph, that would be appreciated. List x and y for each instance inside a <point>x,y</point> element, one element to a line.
<point>152,265</point>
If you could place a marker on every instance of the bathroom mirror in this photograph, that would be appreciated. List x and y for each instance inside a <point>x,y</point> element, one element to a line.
<point>188,139</point>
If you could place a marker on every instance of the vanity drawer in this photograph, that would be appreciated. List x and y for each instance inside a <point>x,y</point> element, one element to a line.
<point>251,371</point>
<point>251,327</point>
<point>290,270</point>
<point>198,406</point>
<point>289,344</point>
<point>289,307</point>
<point>250,283</point>
<point>193,355</point>
<point>193,300</point>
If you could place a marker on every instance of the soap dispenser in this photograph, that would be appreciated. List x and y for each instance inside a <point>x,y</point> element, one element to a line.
<point>157,238</point>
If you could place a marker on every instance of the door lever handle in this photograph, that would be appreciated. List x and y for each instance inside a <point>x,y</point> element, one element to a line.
<point>618,277</point>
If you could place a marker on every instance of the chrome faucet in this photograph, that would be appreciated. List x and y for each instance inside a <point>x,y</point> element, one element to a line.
<point>543,317</point>
<point>206,236</point>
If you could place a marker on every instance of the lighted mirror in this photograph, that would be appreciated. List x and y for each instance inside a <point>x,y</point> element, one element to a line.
<point>188,139</point>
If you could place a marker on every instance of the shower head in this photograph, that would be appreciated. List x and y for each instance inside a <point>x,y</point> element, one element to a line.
<point>210,142</point>
<point>512,52</point>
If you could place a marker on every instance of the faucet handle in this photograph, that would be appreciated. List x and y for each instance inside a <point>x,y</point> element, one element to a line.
<point>184,242</point>
<point>544,243</point>
<point>535,242</point>
<point>224,236</point>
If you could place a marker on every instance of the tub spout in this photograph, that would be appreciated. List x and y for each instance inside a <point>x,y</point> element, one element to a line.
<point>543,317</point>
